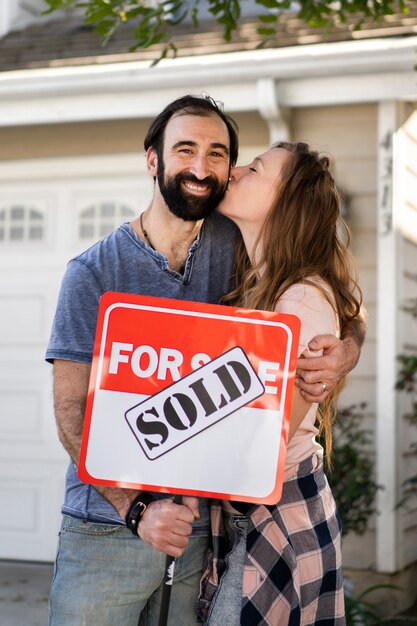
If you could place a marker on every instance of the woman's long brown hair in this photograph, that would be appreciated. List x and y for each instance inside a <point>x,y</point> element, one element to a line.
<point>301,241</point>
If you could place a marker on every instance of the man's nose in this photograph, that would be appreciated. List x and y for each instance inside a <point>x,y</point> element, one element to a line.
<point>200,167</point>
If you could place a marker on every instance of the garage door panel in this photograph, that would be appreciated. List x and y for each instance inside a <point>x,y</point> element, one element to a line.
<point>30,519</point>
<point>49,212</point>
<point>21,317</point>
<point>27,306</point>
<point>27,424</point>
<point>22,417</point>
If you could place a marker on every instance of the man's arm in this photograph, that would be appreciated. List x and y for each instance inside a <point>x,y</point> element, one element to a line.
<point>164,525</point>
<point>339,357</point>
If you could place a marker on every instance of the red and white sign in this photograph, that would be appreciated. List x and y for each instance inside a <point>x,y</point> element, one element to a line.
<point>189,398</point>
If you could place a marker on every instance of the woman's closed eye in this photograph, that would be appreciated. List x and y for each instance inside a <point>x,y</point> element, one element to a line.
<point>252,169</point>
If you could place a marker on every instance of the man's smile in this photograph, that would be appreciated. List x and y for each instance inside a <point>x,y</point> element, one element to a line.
<point>195,187</point>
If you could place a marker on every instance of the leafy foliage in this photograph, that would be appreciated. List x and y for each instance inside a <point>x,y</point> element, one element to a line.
<point>407,381</point>
<point>155,20</point>
<point>360,612</point>
<point>352,475</point>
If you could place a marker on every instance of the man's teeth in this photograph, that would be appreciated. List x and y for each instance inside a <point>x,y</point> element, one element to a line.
<point>195,187</point>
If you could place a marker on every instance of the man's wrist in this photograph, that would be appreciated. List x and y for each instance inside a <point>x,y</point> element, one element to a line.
<point>352,354</point>
<point>137,509</point>
<point>356,328</point>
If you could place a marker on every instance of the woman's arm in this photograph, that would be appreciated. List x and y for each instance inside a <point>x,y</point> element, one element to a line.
<point>299,410</point>
<point>317,315</point>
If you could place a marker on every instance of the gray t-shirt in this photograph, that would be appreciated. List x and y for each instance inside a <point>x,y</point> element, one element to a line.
<point>123,262</point>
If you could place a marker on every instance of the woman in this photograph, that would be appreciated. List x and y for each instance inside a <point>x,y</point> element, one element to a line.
<point>284,567</point>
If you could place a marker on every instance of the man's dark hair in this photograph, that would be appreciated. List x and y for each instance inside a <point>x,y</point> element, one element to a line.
<point>191,105</point>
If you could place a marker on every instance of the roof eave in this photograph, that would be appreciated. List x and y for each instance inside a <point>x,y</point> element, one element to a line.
<point>351,71</point>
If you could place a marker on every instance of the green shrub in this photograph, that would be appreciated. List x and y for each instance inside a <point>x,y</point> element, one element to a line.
<point>352,473</point>
<point>407,381</point>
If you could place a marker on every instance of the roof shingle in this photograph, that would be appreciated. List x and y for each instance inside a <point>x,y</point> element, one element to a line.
<point>68,42</point>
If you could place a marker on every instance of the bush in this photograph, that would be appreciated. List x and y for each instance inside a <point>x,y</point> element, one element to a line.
<point>351,476</point>
<point>407,381</point>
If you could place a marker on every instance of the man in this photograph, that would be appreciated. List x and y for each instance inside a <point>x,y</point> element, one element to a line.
<point>178,248</point>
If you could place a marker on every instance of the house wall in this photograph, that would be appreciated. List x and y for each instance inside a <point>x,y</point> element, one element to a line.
<point>117,136</point>
<point>348,134</point>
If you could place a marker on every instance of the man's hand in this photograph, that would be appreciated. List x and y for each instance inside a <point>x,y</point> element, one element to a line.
<point>166,526</point>
<point>318,376</point>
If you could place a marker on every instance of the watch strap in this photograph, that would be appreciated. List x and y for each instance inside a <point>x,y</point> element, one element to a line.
<point>137,509</point>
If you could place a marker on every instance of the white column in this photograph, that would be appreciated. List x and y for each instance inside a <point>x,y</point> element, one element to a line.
<point>5,16</point>
<point>269,108</point>
<point>387,345</point>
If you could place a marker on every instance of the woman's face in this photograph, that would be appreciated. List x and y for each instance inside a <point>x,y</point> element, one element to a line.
<point>252,188</point>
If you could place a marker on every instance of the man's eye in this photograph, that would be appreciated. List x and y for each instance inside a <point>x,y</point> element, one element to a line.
<point>217,154</point>
<point>186,150</point>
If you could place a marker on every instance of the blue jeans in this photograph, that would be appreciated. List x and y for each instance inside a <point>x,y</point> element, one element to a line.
<point>104,576</point>
<point>226,605</point>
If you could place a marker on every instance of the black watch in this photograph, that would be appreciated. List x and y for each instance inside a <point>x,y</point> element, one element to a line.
<point>137,509</point>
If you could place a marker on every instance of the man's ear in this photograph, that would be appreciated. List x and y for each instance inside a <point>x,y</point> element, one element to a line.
<point>152,161</point>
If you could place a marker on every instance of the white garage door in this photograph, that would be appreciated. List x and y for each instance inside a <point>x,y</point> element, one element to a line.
<point>49,211</point>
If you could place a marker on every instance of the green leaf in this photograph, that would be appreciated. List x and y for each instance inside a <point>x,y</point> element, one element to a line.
<point>169,48</point>
<point>178,19</point>
<point>268,4</point>
<point>266,32</point>
<point>194,17</point>
<point>98,15</point>
<point>319,22</point>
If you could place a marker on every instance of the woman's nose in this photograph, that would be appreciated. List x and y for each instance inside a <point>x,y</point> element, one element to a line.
<point>234,173</point>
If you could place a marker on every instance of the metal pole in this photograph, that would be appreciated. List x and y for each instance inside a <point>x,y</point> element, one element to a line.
<point>167,584</point>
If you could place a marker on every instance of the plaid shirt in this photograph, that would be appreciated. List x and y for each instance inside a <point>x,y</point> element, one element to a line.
<point>292,574</point>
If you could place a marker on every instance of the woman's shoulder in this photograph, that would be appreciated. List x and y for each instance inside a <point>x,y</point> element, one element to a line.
<point>313,290</point>
<point>313,303</point>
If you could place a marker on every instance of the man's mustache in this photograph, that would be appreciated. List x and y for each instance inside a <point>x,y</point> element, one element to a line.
<point>209,181</point>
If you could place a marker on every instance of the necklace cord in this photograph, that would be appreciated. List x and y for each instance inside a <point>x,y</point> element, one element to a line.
<point>144,233</point>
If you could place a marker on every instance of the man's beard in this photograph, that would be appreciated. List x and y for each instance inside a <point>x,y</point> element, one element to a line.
<point>185,205</point>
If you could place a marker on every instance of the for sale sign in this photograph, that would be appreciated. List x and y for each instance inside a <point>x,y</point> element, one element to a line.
<point>189,398</point>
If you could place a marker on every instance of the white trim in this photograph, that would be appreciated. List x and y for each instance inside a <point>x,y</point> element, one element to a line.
<point>348,88</point>
<point>386,436</point>
<point>380,69</point>
<point>8,11</point>
<point>367,56</point>
<point>269,108</point>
